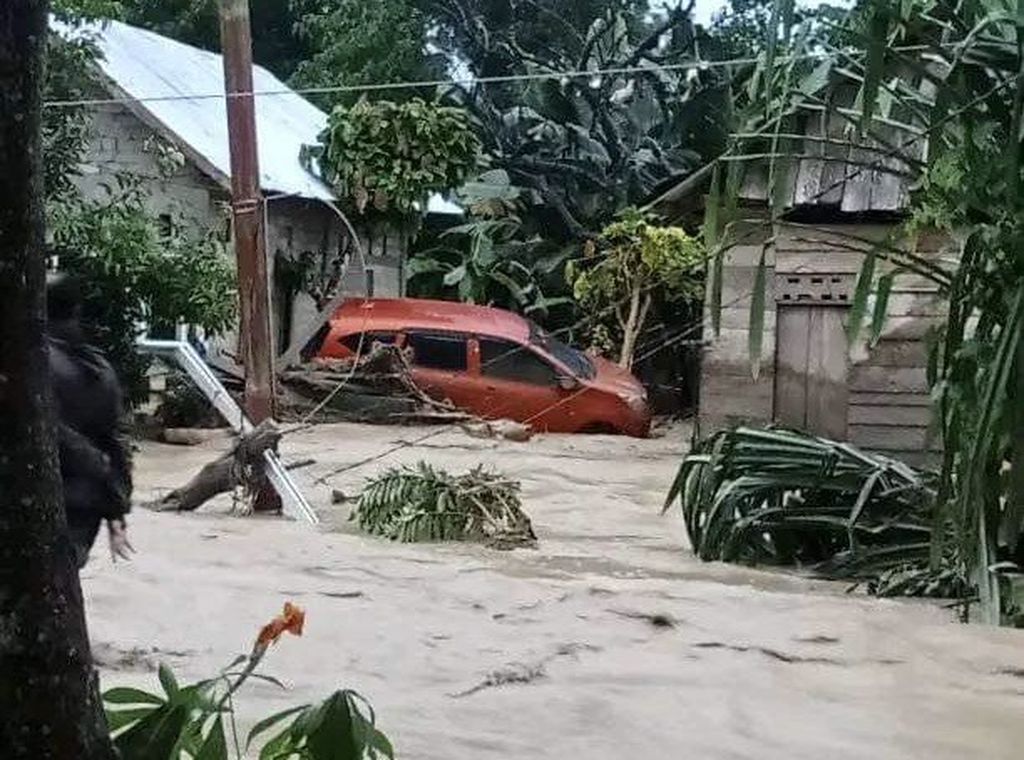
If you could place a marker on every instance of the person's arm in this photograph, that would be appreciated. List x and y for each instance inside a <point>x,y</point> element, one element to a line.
<point>80,456</point>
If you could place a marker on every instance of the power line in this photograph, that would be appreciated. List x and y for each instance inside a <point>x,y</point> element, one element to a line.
<point>502,79</point>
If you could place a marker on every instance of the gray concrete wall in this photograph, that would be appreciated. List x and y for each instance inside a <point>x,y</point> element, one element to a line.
<point>120,143</point>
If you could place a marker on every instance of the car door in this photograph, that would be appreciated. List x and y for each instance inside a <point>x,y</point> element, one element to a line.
<point>440,366</point>
<point>519,384</point>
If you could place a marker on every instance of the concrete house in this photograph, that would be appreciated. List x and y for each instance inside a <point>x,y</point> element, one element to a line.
<point>838,203</point>
<point>167,123</point>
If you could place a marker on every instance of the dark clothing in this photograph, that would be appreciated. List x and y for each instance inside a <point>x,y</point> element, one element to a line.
<point>94,461</point>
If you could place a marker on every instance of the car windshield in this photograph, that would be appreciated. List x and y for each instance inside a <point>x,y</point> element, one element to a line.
<point>577,361</point>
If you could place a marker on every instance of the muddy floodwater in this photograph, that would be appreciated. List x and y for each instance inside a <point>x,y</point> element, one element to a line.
<point>608,641</point>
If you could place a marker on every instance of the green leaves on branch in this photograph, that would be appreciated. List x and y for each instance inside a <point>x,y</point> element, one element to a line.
<point>389,157</point>
<point>133,272</point>
<point>488,262</point>
<point>423,503</point>
<point>630,264</point>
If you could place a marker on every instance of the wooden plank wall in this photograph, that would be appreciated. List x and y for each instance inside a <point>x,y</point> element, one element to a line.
<point>889,405</point>
<point>728,393</point>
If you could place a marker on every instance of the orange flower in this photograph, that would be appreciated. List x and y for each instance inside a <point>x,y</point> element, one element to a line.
<point>291,620</point>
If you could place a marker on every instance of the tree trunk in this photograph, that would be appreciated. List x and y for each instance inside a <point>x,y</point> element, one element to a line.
<point>49,694</point>
<point>241,466</point>
<point>638,307</point>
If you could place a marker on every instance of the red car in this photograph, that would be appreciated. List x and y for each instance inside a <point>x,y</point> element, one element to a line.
<point>495,364</point>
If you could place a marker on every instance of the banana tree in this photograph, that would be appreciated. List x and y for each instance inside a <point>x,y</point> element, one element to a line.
<point>486,262</point>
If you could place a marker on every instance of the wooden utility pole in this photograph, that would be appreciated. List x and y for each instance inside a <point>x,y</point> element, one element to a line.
<point>49,697</point>
<point>254,338</point>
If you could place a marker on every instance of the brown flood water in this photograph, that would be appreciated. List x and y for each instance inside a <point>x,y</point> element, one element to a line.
<point>609,641</point>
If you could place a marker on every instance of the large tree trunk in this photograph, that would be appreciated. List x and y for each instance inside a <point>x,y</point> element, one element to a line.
<point>49,695</point>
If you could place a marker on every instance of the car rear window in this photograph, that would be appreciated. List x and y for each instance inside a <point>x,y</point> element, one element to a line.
<point>438,351</point>
<point>351,342</point>
<point>510,361</point>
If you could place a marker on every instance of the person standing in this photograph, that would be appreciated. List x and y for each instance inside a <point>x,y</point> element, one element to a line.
<point>95,464</point>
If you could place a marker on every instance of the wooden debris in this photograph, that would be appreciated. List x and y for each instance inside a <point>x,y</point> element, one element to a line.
<point>241,466</point>
<point>378,388</point>
<point>507,429</point>
<point>194,436</point>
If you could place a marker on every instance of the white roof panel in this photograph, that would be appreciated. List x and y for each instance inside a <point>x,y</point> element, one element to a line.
<point>167,76</point>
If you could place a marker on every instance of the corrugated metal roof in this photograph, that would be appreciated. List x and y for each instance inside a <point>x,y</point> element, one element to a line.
<point>144,65</point>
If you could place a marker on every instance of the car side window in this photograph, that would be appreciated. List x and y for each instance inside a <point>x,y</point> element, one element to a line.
<point>438,351</point>
<point>510,361</point>
<point>351,342</point>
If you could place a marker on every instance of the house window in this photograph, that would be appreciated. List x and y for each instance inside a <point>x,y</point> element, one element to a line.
<point>438,351</point>
<point>509,361</point>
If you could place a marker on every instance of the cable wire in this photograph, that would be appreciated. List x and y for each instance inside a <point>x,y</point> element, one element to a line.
<point>472,80</point>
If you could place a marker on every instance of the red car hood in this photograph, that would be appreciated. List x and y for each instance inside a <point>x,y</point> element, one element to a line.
<point>613,378</point>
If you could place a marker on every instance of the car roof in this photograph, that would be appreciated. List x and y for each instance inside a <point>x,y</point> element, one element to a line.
<point>400,314</point>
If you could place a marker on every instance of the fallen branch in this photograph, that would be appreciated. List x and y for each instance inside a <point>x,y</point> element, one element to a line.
<point>241,466</point>
<point>377,387</point>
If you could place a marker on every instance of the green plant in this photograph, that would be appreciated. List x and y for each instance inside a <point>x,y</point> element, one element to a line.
<point>197,721</point>
<point>781,497</point>
<point>585,148</point>
<point>423,503</point>
<point>390,157</point>
<point>133,274</point>
<point>351,42</point>
<point>938,86</point>
<point>483,262</point>
<point>633,262</point>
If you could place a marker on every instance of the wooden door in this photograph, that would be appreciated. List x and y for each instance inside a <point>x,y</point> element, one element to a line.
<point>811,369</point>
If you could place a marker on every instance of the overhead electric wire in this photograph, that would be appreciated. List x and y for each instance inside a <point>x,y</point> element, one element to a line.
<point>702,65</point>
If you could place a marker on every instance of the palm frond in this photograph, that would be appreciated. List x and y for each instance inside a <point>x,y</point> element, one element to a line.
<point>781,497</point>
<point>423,503</point>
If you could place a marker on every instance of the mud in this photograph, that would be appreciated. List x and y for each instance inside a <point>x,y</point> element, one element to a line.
<point>607,641</point>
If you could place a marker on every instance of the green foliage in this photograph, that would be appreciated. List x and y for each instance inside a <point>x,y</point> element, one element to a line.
<point>938,86</point>
<point>633,262</point>
<point>489,260</point>
<point>133,274</point>
<point>478,30</point>
<point>483,262</point>
<point>390,157</point>
<point>87,10</point>
<point>423,503</point>
<point>65,130</point>
<point>784,498</point>
<point>276,42</point>
<point>587,148</point>
<point>197,721</point>
<point>352,42</point>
